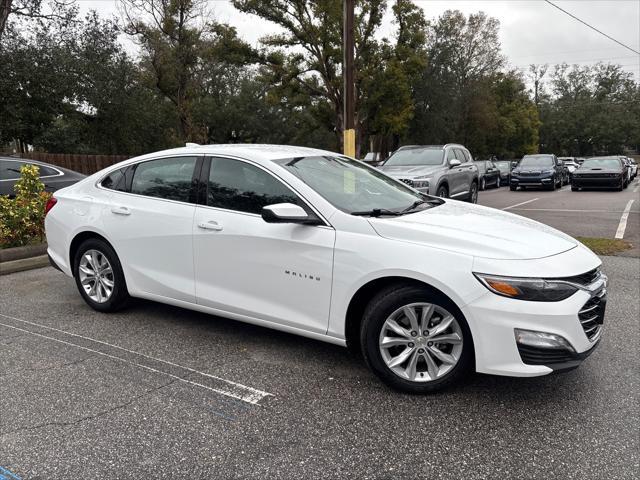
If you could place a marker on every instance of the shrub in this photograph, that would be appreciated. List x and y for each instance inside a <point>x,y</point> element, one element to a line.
<point>22,218</point>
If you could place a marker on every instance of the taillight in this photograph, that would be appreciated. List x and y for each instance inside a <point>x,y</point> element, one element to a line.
<point>50,203</point>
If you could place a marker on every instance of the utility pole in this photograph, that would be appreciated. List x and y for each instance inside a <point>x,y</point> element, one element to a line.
<point>348,121</point>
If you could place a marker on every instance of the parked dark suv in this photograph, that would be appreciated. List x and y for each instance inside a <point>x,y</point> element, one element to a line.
<point>541,170</point>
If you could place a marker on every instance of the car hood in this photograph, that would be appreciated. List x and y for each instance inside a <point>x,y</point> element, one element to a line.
<point>477,231</point>
<point>410,170</point>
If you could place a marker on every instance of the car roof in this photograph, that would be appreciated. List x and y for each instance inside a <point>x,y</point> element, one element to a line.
<point>255,152</point>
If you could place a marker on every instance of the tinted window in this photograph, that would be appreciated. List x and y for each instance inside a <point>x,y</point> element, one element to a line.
<point>9,170</point>
<point>47,171</point>
<point>460,155</point>
<point>467,156</point>
<point>115,181</point>
<point>240,186</point>
<point>169,178</point>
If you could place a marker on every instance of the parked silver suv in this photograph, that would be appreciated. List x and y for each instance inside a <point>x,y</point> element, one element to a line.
<point>442,170</point>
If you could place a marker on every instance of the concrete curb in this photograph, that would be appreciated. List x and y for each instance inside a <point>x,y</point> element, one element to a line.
<point>23,264</point>
<point>17,253</point>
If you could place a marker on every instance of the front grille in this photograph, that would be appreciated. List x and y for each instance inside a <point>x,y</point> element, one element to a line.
<point>544,356</point>
<point>591,315</point>
<point>529,174</point>
<point>408,181</point>
<point>598,175</point>
<point>583,279</point>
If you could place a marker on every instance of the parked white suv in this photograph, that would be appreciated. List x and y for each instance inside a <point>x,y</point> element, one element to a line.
<point>317,244</point>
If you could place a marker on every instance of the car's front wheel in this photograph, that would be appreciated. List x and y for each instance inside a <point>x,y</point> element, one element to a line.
<point>99,276</point>
<point>473,193</point>
<point>415,340</point>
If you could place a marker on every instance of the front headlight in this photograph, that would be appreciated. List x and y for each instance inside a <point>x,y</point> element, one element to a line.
<point>530,289</point>
<point>421,182</point>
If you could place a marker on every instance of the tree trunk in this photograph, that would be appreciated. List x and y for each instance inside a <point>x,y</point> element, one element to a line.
<point>5,8</point>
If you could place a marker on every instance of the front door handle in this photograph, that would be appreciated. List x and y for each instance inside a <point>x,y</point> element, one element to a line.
<point>210,225</point>
<point>120,210</point>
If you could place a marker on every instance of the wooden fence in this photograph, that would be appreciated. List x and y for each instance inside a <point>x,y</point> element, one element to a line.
<point>86,164</point>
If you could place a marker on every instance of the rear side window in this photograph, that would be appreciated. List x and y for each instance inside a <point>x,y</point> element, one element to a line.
<point>10,170</point>
<point>115,181</point>
<point>167,178</point>
<point>47,171</point>
<point>240,186</point>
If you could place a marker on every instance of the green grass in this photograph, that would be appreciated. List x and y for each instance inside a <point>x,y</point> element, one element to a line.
<point>605,246</point>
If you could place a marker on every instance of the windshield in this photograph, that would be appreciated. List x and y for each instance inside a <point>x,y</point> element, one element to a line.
<point>601,163</point>
<point>350,185</point>
<point>536,161</point>
<point>416,156</point>
<point>503,166</point>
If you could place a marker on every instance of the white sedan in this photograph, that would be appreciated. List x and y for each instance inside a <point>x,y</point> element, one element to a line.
<point>321,245</point>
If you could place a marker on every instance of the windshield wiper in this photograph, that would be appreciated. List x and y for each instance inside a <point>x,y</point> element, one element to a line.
<point>414,205</point>
<point>376,212</point>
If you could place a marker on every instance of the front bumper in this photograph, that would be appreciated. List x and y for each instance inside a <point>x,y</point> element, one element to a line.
<point>605,182</point>
<point>493,320</point>
<point>533,181</point>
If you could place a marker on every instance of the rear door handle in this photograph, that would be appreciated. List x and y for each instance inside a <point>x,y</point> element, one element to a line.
<point>210,225</point>
<point>120,210</point>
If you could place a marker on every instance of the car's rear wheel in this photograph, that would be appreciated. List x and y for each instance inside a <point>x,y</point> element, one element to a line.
<point>415,340</point>
<point>99,276</point>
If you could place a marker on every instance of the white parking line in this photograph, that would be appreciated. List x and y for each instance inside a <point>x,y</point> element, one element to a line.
<point>518,204</point>
<point>622,226</point>
<point>233,389</point>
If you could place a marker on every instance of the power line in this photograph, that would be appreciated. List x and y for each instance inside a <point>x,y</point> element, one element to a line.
<point>591,27</point>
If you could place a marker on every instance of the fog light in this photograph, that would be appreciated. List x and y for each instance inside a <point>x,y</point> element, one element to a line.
<point>541,339</point>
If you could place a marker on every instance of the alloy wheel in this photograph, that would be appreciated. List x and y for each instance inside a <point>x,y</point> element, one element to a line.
<point>96,276</point>
<point>421,342</point>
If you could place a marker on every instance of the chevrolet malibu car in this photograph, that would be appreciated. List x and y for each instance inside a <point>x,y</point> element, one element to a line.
<point>320,245</point>
<point>600,172</point>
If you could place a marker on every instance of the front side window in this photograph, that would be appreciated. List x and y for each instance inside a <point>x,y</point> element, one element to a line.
<point>351,186</point>
<point>460,155</point>
<point>240,186</point>
<point>416,156</point>
<point>167,178</point>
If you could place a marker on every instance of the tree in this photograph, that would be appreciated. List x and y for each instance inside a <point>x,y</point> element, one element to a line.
<point>306,59</point>
<point>33,9</point>
<point>182,51</point>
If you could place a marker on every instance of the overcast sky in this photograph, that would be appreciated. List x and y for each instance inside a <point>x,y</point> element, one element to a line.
<point>531,31</point>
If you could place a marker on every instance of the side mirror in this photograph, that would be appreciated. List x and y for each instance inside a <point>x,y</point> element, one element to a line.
<point>286,213</point>
<point>454,163</point>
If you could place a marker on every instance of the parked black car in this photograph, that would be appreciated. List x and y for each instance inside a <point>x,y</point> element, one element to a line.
<point>600,172</point>
<point>488,174</point>
<point>540,170</point>
<point>53,177</point>
<point>504,166</point>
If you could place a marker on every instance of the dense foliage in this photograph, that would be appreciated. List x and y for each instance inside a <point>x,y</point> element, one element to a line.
<point>68,85</point>
<point>22,217</point>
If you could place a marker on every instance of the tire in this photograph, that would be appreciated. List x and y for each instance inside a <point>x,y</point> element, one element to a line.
<point>483,183</point>
<point>552,187</point>
<point>442,192</point>
<point>389,305</point>
<point>472,196</point>
<point>92,252</point>
<point>513,188</point>
<point>574,188</point>
<point>621,186</point>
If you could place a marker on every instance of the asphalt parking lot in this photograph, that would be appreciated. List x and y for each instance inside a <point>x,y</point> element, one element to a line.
<point>592,213</point>
<point>161,392</point>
